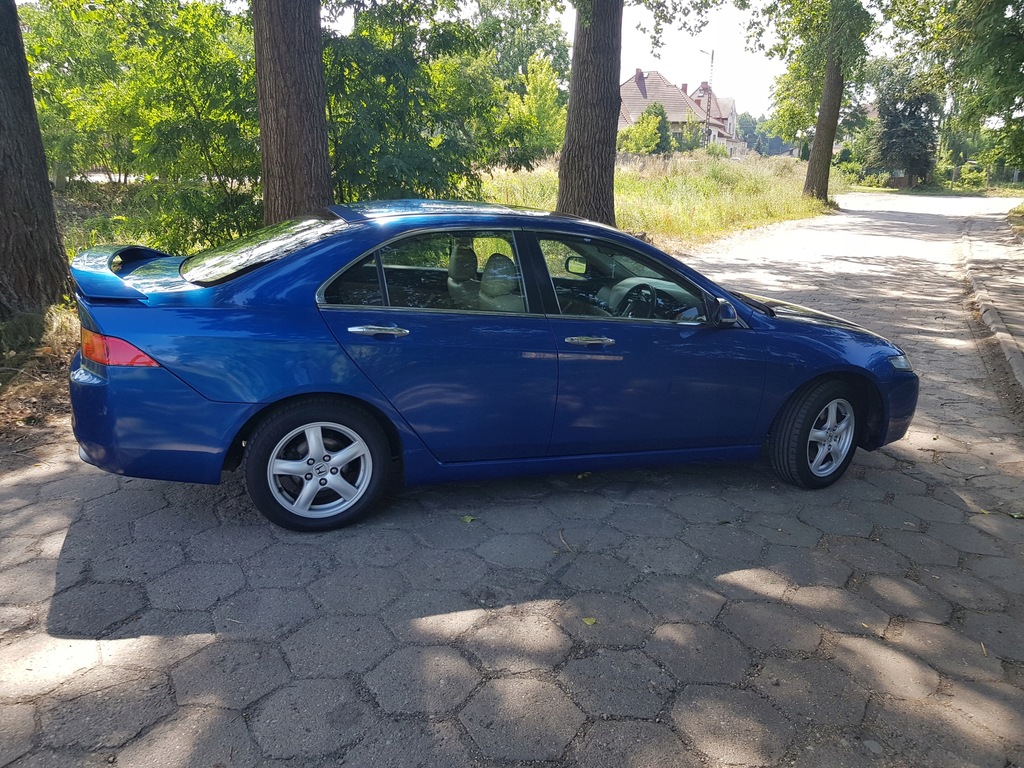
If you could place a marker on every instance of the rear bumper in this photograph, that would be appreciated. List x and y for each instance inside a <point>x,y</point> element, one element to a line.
<point>145,422</point>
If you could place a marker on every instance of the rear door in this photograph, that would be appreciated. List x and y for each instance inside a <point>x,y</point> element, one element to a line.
<point>474,383</point>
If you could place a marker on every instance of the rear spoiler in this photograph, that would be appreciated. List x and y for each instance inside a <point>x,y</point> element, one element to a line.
<point>94,275</point>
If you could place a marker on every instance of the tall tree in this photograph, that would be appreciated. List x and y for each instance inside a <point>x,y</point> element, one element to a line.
<point>33,270</point>
<point>292,99</point>
<point>824,42</point>
<point>586,173</point>
<point>909,110</point>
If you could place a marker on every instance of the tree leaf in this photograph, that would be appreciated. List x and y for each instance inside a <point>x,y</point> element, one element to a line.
<point>590,621</point>
<point>468,519</point>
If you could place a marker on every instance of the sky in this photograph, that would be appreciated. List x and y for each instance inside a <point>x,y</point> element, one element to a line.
<point>745,76</point>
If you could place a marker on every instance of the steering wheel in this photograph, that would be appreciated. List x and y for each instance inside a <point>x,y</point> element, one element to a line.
<point>639,301</point>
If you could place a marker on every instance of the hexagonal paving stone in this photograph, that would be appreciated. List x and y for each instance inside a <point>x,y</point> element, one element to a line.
<point>35,664</point>
<point>812,690</point>
<point>993,705</point>
<point>513,643</point>
<point>229,674</point>
<point>310,718</point>
<point>654,555</point>
<point>592,571</point>
<point>334,646</point>
<point>157,639</point>
<point>725,542</point>
<point>902,597</point>
<point>86,610</point>
<point>1001,633</point>
<point>259,614</point>
<point>431,615</point>
<point>631,743</point>
<point>617,684</point>
<point>965,539</point>
<point>107,717</point>
<point>771,626</point>
<point>521,719</point>
<point>517,551</point>
<point>647,521</point>
<point>880,668</point>
<point>402,743</point>
<point>287,566</point>
<point>921,548</point>
<point>373,546</point>
<point>138,561</point>
<point>229,543</point>
<point>949,651</point>
<point>807,567</point>
<point>29,582</point>
<point>695,653</point>
<point>675,599</point>
<point>867,556</point>
<point>962,589</point>
<point>417,680</point>
<point>586,506</point>
<point>618,621</point>
<point>839,610</point>
<point>744,583</point>
<point>784,529</point>
<point>1002,572</point>
<point>714,719</point>
<point>442,569</point>
<point>359,590</point>
<point>935,734</point>
<point>17,724</point>
<point>195,586</point>
<point>193,735</point>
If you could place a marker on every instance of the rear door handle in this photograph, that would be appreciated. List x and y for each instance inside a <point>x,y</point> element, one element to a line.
<point>590,341</point>
<point>378,330</point>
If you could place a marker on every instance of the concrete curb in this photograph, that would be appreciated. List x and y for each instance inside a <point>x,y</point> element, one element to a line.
<point>991,317</point>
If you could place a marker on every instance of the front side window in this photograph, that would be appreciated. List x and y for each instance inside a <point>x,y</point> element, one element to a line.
<point>593,277</point>
<point>471,270</point>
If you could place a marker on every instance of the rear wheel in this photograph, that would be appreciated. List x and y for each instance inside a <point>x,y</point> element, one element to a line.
<point>316,465</point>
<point>815,436</point>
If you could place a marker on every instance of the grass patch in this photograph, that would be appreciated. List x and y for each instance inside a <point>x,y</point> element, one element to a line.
<point>691,197</point>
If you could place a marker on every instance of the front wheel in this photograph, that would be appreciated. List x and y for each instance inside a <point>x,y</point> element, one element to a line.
<point>815,436</point>
<point>316,465</point>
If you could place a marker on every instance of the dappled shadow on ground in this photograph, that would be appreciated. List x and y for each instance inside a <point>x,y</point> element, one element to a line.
<point>691,616</point>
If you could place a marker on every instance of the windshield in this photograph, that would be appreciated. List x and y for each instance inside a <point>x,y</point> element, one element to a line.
<point>264,245</point>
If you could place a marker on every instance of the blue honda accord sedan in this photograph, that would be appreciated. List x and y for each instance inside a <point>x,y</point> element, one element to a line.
<point>333,354</point>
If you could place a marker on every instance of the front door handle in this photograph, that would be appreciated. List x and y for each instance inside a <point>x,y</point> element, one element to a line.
<point>590,341</point>
<point>378,330</point>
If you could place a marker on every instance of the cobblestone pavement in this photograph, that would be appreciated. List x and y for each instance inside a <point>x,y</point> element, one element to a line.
<point>700,616</point>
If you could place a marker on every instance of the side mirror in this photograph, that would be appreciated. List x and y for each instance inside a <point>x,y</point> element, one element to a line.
<point>723,313</point>
<point>576,265</point>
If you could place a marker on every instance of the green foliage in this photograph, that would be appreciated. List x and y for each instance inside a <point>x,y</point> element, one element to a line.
<point>649,135</point>
<point>908,114</point>
<point>158,89</point>
<point>518,31</point>
<point>539,112</point>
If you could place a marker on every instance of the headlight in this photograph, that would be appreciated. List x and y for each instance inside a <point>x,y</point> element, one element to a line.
<point>901,363</point>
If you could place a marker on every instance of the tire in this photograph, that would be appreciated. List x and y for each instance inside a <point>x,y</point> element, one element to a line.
<point>316,465</point>
<point>816,435</point>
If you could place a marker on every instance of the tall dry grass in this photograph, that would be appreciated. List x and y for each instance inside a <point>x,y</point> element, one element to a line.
<point>691,197</point>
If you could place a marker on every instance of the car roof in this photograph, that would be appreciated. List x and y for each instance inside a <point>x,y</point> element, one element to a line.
<point>381,209</point>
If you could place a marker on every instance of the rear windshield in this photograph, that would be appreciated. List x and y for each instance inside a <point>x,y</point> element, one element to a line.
<point>264,245</point>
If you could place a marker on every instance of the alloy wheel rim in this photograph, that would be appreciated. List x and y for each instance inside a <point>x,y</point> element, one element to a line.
<point>319,470</point>
<point>831,438</point>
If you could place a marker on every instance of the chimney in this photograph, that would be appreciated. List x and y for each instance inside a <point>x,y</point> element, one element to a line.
<point>704,86</point>
<point>640,83</point>
<point>683,88</point>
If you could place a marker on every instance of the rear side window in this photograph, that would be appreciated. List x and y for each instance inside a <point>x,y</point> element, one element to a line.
<point>264,245</point>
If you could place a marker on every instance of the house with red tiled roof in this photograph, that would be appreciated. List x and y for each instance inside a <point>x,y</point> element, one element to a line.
<point>681,108</point>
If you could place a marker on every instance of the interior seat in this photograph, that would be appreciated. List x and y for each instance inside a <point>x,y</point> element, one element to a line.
<point>463,284</point>
<point>499,286</point>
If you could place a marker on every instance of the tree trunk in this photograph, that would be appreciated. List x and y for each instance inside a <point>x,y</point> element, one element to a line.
<point>33,268</point>
<point>820,163</point>
<point>292,106</point>
<point>586,172</point>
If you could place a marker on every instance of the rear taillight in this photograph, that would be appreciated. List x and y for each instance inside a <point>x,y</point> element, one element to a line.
<point>109,350</point>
